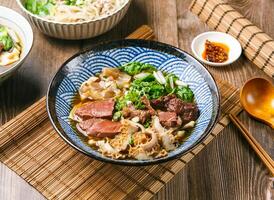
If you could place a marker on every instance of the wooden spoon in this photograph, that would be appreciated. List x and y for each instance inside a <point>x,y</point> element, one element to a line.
<point>257,98</point>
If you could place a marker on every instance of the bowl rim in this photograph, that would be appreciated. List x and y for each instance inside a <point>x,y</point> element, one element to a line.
<point>193,44</point>
<point>127,162</point>
<point>23,28</point>
<point>20,3</point>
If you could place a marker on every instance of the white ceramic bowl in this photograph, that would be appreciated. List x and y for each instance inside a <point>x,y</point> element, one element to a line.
<point>78,30</point>
<point>198,46</point>
<point>21,26</point>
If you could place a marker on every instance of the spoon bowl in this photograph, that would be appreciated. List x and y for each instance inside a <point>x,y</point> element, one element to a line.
<point>257,98</point>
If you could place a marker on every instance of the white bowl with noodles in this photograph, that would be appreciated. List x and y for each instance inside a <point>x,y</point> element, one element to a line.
<point>21,27</point>
<point>76,30</point>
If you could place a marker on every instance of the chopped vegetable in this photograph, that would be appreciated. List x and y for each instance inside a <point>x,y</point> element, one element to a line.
<point>189,125</point>
<point>171,82</point>
<point>156,91</point>
<point>148,78</point>
<point>70,2</point>
<point>180,83</point>
<point>141,75</point>
<point>147,123</point>
<point>5,39</point>
<point>140,87</point>
<point>171,76</point>
<point>181,133</point>
<point>132,96</point>
<point>117,116</point>
<point>134,68</point>
<point>40,7</point>
<point>151,88</point>
<point>185,93</point>
<point>74,2</point>
<point>156,76</point>
<point>120,103</point>
<point>13,36</point>
<point>161,76</point>
<point>131,141</point>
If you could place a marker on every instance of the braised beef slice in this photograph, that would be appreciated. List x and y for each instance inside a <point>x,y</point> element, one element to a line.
<point>98,109</point>
<point>104,128</point>
<point>84,125</point>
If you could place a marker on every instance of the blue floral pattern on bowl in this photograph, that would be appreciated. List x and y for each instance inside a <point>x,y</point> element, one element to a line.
<point>65,84</point>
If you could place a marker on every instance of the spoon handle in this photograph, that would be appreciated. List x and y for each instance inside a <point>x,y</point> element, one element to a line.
<point>269,163</point>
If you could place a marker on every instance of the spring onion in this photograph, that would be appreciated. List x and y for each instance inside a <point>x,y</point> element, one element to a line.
<point>180,83</point>
<point>161,76</point>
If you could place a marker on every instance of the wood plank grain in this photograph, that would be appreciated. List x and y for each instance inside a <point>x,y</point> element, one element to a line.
<point>224,171</point>
<point>23,89</point>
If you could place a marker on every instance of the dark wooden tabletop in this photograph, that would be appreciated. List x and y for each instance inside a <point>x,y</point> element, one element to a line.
<point>226,169</point>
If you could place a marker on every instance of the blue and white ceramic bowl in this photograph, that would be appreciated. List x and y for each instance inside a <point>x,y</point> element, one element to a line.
<point>83,65</point>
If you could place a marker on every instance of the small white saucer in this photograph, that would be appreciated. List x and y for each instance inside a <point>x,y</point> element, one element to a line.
<point>198,46</point>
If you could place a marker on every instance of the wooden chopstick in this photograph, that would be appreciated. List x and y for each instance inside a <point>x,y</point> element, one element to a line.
<point>266,159</point>
<point>144,32</point>
<point>255,142</point>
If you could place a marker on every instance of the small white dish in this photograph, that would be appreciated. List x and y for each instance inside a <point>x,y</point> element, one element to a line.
<point>21,26</point>
<point>198,46</point>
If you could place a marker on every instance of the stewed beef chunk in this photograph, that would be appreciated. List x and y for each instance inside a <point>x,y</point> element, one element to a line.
<point>160,102</point>
<point>170,103</point>
<point>191,112</point>
<point>148,106</point>
<point>157,103</point>
<point>169,119</point>
<point>130,112</point>
<point>188,111</point>
<point>175,105</point>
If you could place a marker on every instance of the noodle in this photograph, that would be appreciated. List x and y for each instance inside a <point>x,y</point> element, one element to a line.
<point>86,10</point>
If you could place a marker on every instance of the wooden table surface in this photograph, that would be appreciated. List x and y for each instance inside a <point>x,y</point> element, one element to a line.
<point>226,169</point>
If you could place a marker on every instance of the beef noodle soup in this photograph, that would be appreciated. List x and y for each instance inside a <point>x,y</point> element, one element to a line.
<point>135,111</point>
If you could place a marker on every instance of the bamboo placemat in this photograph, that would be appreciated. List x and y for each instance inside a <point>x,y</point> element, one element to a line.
<point>257,45</point>
<point>30,146</point>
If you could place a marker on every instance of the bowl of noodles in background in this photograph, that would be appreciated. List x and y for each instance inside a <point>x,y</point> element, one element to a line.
<point>16,41</point>
<point>74,19</point>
